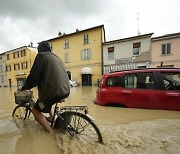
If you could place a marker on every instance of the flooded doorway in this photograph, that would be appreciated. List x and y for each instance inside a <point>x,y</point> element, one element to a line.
<point>86,73</point>
<point>86,79</point>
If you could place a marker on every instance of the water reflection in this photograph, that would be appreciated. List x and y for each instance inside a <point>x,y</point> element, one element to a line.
<point>124,130</point>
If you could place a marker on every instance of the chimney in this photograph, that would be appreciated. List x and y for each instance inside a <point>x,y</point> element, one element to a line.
<point>59,33</point>
<point>31,44</point>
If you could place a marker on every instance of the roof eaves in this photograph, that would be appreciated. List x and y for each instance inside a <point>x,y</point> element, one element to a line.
<point>128,39</point>
<point>167,36</point>
<point>80,31</point>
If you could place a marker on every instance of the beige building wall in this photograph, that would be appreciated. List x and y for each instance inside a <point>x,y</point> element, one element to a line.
<point>171,59</point>
<point>124,58</point>
<point>18,64</point>
<point>76,64</point>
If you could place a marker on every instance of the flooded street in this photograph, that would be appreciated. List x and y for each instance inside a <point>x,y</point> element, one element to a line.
<point>124,130</point>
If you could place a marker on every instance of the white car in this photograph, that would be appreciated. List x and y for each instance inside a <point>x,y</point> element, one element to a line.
<point>73,83</point>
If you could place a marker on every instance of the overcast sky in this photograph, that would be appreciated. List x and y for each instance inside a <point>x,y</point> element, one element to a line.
<point>25,21</point>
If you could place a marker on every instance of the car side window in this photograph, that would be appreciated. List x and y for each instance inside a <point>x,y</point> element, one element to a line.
<point>113,82</point>
<point>171,80</point>
<point>139,81</point>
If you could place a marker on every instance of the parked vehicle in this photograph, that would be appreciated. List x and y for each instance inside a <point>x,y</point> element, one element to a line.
<point>157,88</point>
<point>73,83</point>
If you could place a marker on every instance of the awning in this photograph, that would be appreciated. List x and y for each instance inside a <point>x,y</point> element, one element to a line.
<point>86,70</point>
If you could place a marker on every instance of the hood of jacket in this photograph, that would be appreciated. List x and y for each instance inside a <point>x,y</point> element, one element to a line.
<point>44,46</point>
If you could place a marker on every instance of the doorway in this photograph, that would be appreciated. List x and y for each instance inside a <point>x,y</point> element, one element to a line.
<point>86,79</point>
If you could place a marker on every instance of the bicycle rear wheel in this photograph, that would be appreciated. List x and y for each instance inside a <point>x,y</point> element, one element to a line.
<point>79,125</point>
<point>22,112</point>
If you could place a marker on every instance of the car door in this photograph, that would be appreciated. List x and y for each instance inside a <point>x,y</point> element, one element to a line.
<point>141,91</point>
<point>171,89</point>
<point>111,94</point>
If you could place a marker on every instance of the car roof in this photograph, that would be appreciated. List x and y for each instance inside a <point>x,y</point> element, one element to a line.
<point>143,70</point>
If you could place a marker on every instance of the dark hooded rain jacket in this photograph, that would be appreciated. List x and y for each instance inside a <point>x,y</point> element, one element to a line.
<point>48,73</point>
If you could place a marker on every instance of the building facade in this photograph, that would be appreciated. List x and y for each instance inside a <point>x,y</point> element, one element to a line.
<point>165,51</point>
<point>127,53</point>
<point>3,76</point>
<point>18,64</point>
<point>81,52</point>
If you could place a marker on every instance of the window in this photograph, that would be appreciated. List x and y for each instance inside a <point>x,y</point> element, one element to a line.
<point>136,48</point>
<point>110,52</point>
<point>139,81</point>
<point>66,43</point>
<point>23,53</point>
<point>16,67</point>
<point>8,68</point>
<point>24,65</point>
<point>113,82</point>
<point>171,81</point>
<point>66,57</point>
<point>16,54</point>
<point>86,54</point>
<point>86,41</point>
<point>7,56</point>
<point>166,49</point>
<point>0,58</point>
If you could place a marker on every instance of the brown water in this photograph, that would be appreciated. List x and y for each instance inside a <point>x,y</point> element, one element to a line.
<point>124,130</point>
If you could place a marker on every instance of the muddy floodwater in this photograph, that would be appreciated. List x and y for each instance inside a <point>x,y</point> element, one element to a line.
<point>126,131</point>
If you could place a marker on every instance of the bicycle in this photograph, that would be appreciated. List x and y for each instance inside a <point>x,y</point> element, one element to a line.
<point>73,119</point>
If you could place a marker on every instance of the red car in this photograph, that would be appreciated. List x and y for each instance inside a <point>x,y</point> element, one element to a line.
<point>157,88</point>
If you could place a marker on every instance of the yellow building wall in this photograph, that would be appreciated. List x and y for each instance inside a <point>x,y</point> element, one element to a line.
<point>13,75</point>
<point>75,64</point>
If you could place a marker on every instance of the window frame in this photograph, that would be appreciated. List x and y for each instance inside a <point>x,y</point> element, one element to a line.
<point>24,66</point>
<point>23,53</point>
<point>16,67</point>
<point>86,39</point>
<point>86,54</point>
<point>8,68</point>
<point>8,57</point>
<point>66,43</point>
<point>136,48</point>
<point>166,49</point>
<point>110,52</point>
<point>16,54</point>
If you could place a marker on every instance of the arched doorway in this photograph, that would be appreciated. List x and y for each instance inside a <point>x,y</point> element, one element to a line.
<point>86,74</point>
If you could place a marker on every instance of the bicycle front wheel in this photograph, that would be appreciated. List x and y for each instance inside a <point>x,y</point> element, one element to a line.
<point>21,112</point>
<point>79,125</point>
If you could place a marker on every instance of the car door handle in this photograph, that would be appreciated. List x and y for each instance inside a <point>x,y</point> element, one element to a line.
<point>172,94</point>
<point>126,92</point>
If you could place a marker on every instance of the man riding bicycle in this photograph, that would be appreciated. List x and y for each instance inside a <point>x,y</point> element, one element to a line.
<point>48,73</point>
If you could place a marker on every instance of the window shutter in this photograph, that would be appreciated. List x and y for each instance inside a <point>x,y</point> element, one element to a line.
<point>168,48</point>
<point>111,49</point>
<point>137,45</point>
<point>163,49</point>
